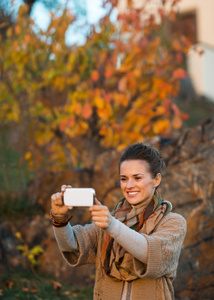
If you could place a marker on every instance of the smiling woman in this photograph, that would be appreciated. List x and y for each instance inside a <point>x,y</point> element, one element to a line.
<point>136,247</point>
<point>137,184</point>
<point>140,173</point>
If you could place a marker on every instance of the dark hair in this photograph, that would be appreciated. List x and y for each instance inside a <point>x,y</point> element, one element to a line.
<point>148,153</point>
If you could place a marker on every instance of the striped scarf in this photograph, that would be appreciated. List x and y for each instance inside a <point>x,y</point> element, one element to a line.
<point>118,263</point>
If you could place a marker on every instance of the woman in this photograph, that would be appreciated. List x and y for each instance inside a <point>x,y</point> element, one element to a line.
<point>136,248</point>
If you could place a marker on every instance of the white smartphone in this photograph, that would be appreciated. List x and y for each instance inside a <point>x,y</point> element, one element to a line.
<point>79,197</point>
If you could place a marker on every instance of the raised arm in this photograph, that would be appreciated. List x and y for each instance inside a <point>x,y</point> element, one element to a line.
<point>129,239</point>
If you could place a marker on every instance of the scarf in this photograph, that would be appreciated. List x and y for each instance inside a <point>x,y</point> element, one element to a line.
<point>117,263</point>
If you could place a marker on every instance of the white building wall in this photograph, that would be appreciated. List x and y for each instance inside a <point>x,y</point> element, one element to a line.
<point>201,67</point>
<point>208,72</point>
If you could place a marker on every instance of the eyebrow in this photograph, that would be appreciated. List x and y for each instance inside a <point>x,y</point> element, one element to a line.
<point>132,175</point>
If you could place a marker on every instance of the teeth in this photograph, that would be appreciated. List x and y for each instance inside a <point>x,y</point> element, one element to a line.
<point>132,193</point>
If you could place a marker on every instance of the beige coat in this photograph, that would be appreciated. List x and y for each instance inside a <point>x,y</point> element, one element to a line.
<point>164,249</point>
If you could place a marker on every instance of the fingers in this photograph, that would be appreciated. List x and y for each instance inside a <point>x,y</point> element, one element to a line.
<point>100,216</point>
<point>98,211</point>
<point>57,204</point>
<point>57,199</point>
<point>97,205</point>
<point>97,202</point>
<point>64,187</point>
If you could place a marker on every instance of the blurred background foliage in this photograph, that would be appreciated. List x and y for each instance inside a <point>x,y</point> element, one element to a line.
<point>60,105</point>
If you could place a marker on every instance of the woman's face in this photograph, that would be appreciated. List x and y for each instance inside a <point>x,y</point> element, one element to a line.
<point>136,181</point>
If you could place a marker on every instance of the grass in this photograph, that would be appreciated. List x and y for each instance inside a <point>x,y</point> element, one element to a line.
<point>14,178</point>
<point>12,174</point>
<point>17,206</point>
<point>23,285</point>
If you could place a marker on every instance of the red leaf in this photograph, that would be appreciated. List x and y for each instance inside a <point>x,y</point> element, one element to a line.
<point>184,116</point>
<point>66,123</point>
<point>95,75</point>
<point>179,74</point>
<point>122,84</point>
<point>107,97</point>
<point>87,111</point>
<point>175,109</point>
<point>108,72</point>
<point>161,12</point>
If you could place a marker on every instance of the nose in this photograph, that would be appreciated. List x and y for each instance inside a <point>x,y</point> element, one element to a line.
<point>130,183</point>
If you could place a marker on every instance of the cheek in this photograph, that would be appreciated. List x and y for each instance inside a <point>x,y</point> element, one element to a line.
<point>147,184</point>
<point>122,185</point>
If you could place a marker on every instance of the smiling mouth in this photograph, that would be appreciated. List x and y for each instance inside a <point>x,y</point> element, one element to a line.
<point>132,194</point>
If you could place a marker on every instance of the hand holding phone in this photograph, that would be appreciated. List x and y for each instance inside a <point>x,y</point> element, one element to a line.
<point>79,197</point>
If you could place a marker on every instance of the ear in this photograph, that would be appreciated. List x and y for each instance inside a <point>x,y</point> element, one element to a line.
<point>157,180</point>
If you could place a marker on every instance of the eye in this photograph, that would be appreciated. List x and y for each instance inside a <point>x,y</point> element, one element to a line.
<point>138,178</point>
<point>123,179</point>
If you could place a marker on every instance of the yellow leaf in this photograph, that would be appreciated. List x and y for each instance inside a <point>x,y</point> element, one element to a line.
<point>36,250</point>
<point>109,136</point>
<point>99,102</point>
<point>137,73</point>
<point>59,82</point>
<point>74,79</point>
<point>160,110</point>
<point>124,68</point>
<point>103,130</point>
<point>15,45</point>
<point>77,108</point>
<point>28,156</point>
<point>27,38</point>
<point>120,99</point>
<point>18,236</point>
<point>17,29</point>
<point>30,256</point>
<point>103,113</point>
<point>161,126</point>
<point>84,125</point>
<point>9,32</point>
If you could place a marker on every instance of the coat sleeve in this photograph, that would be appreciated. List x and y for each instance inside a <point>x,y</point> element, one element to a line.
<point>164,247</point>
<point>86,238</point>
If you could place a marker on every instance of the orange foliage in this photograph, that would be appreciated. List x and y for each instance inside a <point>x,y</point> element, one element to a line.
<point>116,89</point>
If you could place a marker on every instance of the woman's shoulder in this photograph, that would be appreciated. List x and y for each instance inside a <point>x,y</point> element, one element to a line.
<point>174,219</point>
<point>176,216</point>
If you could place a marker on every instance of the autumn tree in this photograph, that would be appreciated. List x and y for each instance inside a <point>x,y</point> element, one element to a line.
<point>68,104</point>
